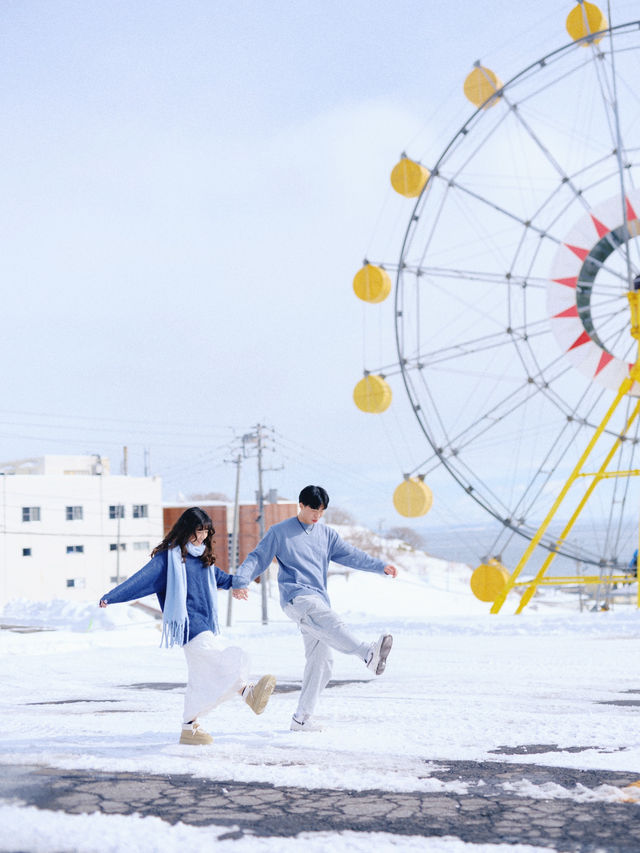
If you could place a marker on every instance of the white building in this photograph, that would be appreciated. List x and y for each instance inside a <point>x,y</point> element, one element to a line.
<point>70,529</point>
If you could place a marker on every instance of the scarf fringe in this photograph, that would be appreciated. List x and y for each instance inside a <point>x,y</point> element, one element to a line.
<point>175,619</point>
<point>173,633</point>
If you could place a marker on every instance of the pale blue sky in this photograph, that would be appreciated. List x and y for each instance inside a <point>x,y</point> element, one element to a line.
<point>188,189</point>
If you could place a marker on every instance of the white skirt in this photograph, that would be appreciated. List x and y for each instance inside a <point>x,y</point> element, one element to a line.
<point>215,673</point>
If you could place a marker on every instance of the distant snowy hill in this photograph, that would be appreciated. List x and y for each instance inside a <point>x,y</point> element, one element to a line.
<point>400,553</point>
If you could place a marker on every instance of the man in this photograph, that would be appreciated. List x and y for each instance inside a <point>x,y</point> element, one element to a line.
<point>303,549</point>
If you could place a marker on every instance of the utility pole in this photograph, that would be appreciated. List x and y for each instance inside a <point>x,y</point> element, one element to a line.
<point>263,579</point>
<point>125,471</point>
<point>234,537</point>
<point>118,545</point>
<point>257,437</point>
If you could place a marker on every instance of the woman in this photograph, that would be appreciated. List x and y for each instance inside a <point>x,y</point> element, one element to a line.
<point>182,574</point>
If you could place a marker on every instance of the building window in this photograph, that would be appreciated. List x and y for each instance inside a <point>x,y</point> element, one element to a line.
<point>114,546</point>
<point>141,510</point>
<point>31,513</point>
<point>116,579</point>
<point>75,549</point>
<point>74,513</point>
<point>71,582</point>
<point>141,546</point>
<point>116,511</point>
<point>78,583</point>
<point>26,552</point>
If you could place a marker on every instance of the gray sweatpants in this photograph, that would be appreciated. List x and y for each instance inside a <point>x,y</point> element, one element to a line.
<point>322,630</point>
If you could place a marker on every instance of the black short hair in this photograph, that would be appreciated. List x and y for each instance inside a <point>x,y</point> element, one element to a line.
<point>314,496</point>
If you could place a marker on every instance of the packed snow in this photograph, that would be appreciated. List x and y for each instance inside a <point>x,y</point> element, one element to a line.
<point>459,685</point>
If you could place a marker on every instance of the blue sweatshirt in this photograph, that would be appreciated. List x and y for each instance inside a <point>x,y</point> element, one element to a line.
<point>303,553</point>
<point>152,578</point>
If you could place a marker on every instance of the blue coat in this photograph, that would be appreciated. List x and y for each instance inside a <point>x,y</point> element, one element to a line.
<point>152,578</point>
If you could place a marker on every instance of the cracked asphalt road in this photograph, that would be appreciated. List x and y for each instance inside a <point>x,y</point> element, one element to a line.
<point>486,813</point>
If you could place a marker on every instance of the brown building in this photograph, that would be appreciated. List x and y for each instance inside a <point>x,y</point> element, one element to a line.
<point>222,517</point>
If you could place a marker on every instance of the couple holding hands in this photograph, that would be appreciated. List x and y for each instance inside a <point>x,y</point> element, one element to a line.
<point>183,574</point>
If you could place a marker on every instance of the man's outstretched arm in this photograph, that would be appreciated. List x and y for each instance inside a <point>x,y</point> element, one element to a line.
<point>348,555</point>
<point>254,564</point>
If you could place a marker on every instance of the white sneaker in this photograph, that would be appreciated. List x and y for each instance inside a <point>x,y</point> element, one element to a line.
<point>379,654</point>
<point>308,725</point>
<point>257,695</point>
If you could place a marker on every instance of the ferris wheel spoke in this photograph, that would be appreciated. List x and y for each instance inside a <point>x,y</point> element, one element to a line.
<point>626,454</point>
<point>385,370</point>
<point>513,401</point>
<point>621,167</point>
<point>560,78</point>
<point>609,100</point>
<point>498,208</point>
<point>593,167</point>
<point>547,468</point>
<point>464,349</point>
<point>614,527</point>
<point>608,96</point>
<point>605,177</point>
<point>538,483</point>
<point>474,151</point>
<point>489,420</point>
<point>561,172</point>
<point>632,97</point>
<point>620,332</point>
<point>488,277</point>
<point>416,218</point>
<point>545,233</point>
<point>584,411</point>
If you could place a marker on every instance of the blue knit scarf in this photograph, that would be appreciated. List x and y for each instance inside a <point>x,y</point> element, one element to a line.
<point>175,619</point>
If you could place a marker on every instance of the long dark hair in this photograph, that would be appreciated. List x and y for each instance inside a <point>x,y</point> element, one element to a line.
<point>182,531</point>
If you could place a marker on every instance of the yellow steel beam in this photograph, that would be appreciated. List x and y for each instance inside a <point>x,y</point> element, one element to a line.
<point>634,304</point>
<point>587,580</point>
<point>609,474</point>
<point>526,598</point>
<point>637,561</point>
<point>625,387</point>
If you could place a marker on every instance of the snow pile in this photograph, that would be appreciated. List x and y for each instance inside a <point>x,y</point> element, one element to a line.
<point>30,829</point>
<point>579,793</point>
<point>68,615</point>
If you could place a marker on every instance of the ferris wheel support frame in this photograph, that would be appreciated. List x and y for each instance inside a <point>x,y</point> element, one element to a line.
<point>602,473</point>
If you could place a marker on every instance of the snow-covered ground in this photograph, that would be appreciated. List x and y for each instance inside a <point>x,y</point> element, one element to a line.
<point>459,685</point>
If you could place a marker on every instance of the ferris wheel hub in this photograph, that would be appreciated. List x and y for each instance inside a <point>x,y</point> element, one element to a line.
<point>583,275</point>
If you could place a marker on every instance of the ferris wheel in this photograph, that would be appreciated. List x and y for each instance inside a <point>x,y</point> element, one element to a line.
<point>511,306</point>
